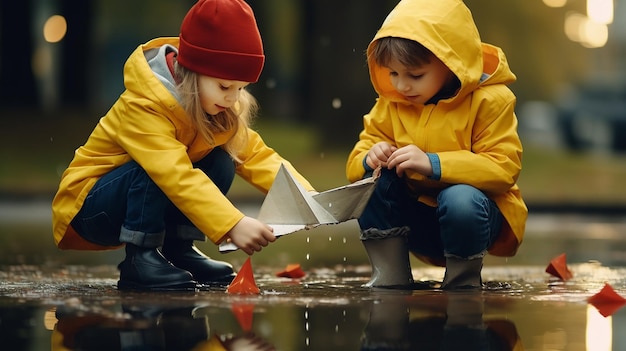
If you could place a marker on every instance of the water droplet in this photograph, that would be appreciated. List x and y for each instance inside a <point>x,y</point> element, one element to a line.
<point>308,256</point>
<point>271,83</point>
<point>330,238</point>
<point>336,103</point>
<point>344,240</point>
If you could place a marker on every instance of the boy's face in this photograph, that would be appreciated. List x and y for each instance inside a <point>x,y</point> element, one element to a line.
<point>216,95</point>
<point>419,84</point>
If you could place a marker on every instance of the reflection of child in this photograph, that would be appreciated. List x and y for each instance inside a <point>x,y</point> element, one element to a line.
<point>449,321</point>
<point>444,131</point>
<point>156,168</point>
<point>148,328</point>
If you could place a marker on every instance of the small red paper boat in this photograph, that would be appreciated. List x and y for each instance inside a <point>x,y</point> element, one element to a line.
<point>244,283</point>
<point>292,271</point>
<point>607,301</point>
<point>243,313</point>
<point>558,268</point>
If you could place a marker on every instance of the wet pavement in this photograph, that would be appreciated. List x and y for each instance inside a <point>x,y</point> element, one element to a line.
<point>51,300</point>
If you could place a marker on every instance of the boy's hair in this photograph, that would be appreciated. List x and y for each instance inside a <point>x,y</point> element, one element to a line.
<point>238,117</point>
<point>408,52</point>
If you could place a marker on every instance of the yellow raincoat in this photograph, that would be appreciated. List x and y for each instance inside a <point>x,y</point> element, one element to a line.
<point>148,125</point>
<point>474,133</point>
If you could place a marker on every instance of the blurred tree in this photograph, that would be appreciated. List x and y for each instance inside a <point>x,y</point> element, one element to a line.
<point>338,89</point>
<point>281,86</point>
<point>76,53</point>
<point>119,27</point>
<point>315,71</point>
<point>16,49</point>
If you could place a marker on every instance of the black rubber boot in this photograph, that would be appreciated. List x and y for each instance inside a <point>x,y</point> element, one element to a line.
<point>145,269</point>
<point>184,254</point>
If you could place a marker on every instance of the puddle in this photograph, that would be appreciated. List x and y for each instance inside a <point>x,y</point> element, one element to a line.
<point>53,300</point>
<point>80,309</point>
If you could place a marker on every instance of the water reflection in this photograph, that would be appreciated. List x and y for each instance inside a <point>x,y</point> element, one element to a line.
<point>437,321</point>
<point>396,321</point>
<point>321,312</point>
<point>138,327</point>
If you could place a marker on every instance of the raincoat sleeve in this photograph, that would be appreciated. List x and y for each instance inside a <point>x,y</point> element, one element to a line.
<point>495,160</point>
<point>149,138</point>
<point>376,128</point>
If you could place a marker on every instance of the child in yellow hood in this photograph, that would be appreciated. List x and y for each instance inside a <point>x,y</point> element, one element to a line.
<point>154,172</point>
<point>444,132</point>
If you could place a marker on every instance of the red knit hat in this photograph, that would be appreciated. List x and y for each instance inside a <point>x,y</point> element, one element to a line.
<point>220,38</point>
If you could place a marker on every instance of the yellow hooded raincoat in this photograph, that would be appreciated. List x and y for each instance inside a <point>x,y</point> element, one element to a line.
<point>148,125</point>
<point>474,133</point>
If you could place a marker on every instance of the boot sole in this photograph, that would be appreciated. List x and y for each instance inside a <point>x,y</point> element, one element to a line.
<point>130,286</point>
<point>226,279</point>
<point>207,285</point>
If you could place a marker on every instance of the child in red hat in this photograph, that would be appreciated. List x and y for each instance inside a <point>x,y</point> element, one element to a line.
<point>154,173</point>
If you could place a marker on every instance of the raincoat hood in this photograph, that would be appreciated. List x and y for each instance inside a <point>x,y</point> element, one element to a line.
<point>447,29</point>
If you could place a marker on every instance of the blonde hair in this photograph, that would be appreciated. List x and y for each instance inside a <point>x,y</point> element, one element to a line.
<point>238,118</point>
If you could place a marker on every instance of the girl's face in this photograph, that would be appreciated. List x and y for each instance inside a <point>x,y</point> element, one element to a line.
<point>419,84</point>
<point>216,94</point>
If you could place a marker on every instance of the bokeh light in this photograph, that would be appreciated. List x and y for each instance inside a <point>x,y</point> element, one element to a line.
<point>583,30</point>
<point>54,29</point>
<point>600,11</point>
<point>336,103</point>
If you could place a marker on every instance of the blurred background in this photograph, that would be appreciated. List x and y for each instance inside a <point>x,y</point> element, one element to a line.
<point>61,69</point>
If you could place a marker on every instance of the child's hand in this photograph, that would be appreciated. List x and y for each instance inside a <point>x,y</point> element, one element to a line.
<point>251,235</point>
<point>410,158</point>
<point>379,154</point>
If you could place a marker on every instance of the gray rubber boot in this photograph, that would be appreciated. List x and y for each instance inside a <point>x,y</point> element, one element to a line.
<point>462,273</point>
<point>389,256</point>
<point>465,309</point>
<point>388,324</point>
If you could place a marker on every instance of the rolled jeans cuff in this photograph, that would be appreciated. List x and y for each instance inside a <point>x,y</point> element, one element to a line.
<point>481,254</point>
<point>141,239</point>
<point>377,234</point>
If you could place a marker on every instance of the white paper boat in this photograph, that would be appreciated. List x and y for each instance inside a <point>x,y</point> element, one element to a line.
<point>289,208</point>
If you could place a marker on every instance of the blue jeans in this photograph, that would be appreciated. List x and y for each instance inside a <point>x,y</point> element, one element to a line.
<point>465,223</point>
<point>126,206</point>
